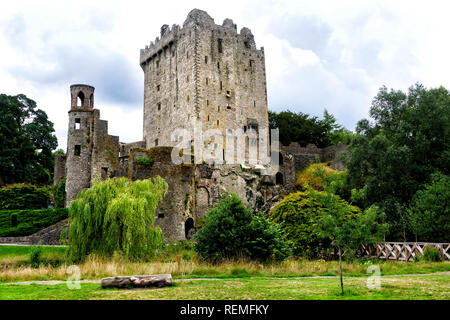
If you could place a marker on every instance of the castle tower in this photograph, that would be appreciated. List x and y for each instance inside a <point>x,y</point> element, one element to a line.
<point>79,140</point>
<point>203,73</point>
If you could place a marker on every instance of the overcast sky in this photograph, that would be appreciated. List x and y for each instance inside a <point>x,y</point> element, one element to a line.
<point>319,54</point>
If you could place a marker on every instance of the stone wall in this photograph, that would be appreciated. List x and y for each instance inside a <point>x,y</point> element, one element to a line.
<point>59,171</point>
<point>194,188</point>
<point>303,156</point>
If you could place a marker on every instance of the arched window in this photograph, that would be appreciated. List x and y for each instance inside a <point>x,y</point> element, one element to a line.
<point>80,99</point>
<point>279,178</point>
<point>189,228</point>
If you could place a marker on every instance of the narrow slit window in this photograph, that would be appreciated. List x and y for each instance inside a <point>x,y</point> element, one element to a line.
<point>206,81</point>
<point>254,103</point>
<point>206,59</point>
<point>219,45</point>
<point>77,150</point>
<point>158,87</point>
<point>159,106</point>
<point>220,85</point>
<point>156,142</point>
<point>77,123</point>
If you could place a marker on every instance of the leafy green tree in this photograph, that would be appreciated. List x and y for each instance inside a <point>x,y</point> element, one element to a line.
<point>297,214</point>
<point>232,230</point>
<point>26,141</point>
<point>298,127</point>
<point>335,132</point>
<point>304,129</point>
<point>391,158</point>
<point>347,229</point>
<point>116,215</point>
<point>429,213</point>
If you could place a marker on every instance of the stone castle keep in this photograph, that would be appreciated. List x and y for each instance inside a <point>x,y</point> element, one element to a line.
<point>200,73</point>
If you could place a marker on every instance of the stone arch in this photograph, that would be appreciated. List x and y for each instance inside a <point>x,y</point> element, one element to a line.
<point>279,178</point>
<point>189,228</point>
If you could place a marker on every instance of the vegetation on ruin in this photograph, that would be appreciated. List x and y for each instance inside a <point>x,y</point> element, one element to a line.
<point>26,142</point>
<point>144,161</point>
<point>60,193</point>
<point>116,216</point>
<point>231,230</point>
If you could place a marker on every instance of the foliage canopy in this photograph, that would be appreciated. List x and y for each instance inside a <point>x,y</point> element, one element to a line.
<point>26,142</point>
<point>390,159</point>
<point>298,214</point>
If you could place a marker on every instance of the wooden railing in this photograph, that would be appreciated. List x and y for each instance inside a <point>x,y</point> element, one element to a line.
<point>402,251</point>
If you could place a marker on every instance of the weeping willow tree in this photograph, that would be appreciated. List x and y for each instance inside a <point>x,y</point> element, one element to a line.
<point>116,215</point>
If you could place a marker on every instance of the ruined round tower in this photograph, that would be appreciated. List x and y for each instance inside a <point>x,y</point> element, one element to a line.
<point>79,140</point>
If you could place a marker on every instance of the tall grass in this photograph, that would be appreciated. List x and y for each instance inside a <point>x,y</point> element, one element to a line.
<point>96,267</point>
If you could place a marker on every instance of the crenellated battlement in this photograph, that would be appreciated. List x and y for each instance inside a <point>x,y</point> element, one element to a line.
<point>196,18</point>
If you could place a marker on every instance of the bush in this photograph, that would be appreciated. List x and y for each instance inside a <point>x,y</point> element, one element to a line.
<point>24,196</point>
<point>313,176</point>
<point>35,256</point>
<point>298,213</point>
<point>431,254</point>
<point>429,213</point>
<point>60,193</point>
<point>116,216</point>
<point>15,223</point>
<point>144,161</point>
<point>231,230</point>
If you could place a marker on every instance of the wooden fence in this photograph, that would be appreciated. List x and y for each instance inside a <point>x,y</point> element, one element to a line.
<point>402,251</point>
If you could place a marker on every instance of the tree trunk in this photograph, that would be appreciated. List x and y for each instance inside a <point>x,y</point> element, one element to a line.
<point>340,271</point>
<point>159,281</point>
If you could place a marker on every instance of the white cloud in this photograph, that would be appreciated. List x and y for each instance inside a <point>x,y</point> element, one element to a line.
<point>319,54</point>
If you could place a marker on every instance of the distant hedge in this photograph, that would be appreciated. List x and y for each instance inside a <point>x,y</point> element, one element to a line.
<point>15,223</point>
<point>24,197</point>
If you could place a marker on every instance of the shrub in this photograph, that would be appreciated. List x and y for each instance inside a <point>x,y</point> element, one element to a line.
<point>13,218</point>
<point>432,254</point>
<point>313,176</point>
<point>35,256</point>
<point>24,196</point>
<point>15,223</point>
<point>298,213</point>
<point>116,215</point>
<point>60,193</point>
<point>144,161</point>
<point>231,230</point>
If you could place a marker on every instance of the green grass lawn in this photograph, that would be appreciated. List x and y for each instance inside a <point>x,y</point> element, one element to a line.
<point>392,288</point>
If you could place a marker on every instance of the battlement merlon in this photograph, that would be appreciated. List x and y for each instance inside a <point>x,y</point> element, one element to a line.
<point>169,36</point>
